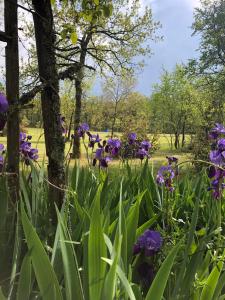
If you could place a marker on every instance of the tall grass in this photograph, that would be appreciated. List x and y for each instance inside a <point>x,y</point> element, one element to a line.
<point>90,253</point>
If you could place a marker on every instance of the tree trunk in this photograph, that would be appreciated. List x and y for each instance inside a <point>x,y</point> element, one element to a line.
<point>8,222</point>
<point>171,141</point>
<point>50,101</point>
<point>12,93</point>
<point>176,142</point>
<point>70,127</point>
<point>79,93</point>
<point>77,114</point>
<point>114,119</point>
<point>183,135</point>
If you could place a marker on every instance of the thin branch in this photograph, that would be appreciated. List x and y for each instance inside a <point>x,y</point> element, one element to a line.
<point>66,74</point>
<point>98,59</point>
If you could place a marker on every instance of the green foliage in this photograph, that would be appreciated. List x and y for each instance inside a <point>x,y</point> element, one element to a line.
<point>173,106</point>
<point>210,24</point>
<point>46,278</point>
<point>89,255</point>
<point>24,284</point>
<point>157,288</point>
<point>96,250</point>
<point>98,28</point>
<point>73,284</point>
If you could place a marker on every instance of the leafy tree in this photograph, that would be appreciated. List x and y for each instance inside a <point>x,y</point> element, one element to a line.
<point>116,90</point>
<point>135,114</point>
<point>108,39</point>
<point>171,105</point>
<point>209,23</point>
<point>106,36</point>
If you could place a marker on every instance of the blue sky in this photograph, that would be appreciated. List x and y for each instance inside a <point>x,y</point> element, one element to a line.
<point>176,17</point>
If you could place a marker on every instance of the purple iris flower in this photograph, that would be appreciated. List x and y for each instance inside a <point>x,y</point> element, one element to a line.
<point>172,159</point>
<point>27,152</point>
<point>211,171</point>
<point>3,103</point>
<point>165,176</point>
<point>142,153</point>
<point>99,153</point>
<point>33,154</point>
<point>93,139</point>
<point>221,144</point>
<point>150,242</point>
<point>114,143</point>
<point>113,146</point>
<point>216,188</point>
<point>82,129</point>
<point>132,137</point>
<point>146,145</point>
<point>216,131</point>
<point>217,185</point>
<point>217,157</point>
<point>23,136</point>
<point>104,161</point>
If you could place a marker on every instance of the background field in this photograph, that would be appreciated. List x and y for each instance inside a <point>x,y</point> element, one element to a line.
<point>158,157</point>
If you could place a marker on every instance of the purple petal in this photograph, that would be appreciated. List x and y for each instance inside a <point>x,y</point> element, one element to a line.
<point>3,103</point>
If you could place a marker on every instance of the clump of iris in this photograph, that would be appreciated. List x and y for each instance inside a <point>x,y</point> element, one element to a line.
<point>112,148</point>
<point>216,172</point>
<point>166,174</point>
<point>27,152</point>
<point>135,148</point>
<point>143,149</point>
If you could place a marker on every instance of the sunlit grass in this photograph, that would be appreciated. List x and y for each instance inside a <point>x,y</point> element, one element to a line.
<point>159,157</point>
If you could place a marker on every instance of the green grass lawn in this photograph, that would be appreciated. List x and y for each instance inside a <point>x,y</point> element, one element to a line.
<point>158,157</point>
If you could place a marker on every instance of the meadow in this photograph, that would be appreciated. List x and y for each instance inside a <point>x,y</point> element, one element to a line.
<point>159,156</point>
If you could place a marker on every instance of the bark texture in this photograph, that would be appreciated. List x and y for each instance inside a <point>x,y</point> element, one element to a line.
<point>77,115</point>
<point>79,94</point>
<point>8,222</point>
<point>54,141</point>
<point>12,93</point>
